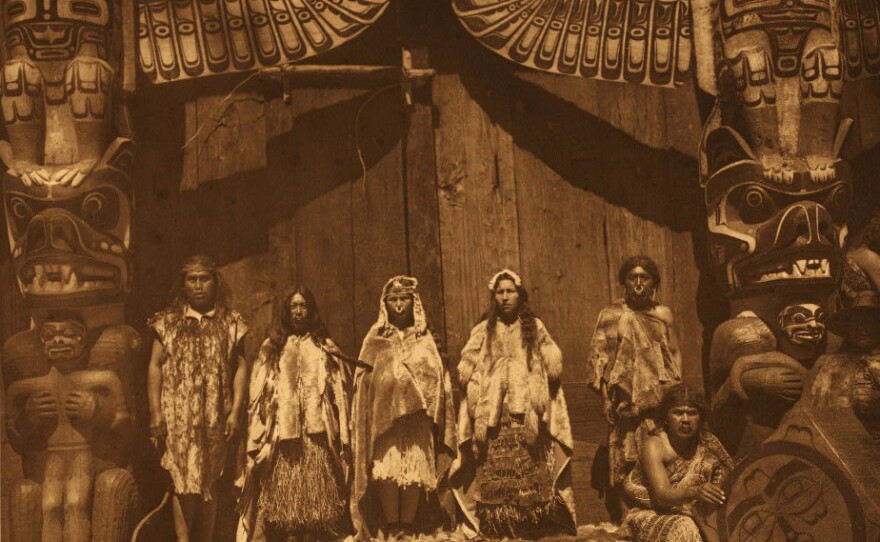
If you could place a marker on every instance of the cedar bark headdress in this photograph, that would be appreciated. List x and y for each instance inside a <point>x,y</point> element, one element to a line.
<point>403,284</point>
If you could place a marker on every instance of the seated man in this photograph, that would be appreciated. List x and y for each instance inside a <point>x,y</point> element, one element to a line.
<point>679,463</point>
<point>850,378</point>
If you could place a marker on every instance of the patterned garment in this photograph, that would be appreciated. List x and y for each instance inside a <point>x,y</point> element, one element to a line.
<point>196,396</point>
<point>630,355</point>
<point>516,479</point>
<point>710,463</point>
<point>513,474</point>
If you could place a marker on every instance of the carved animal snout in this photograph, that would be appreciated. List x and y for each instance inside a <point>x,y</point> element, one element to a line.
<point>805,224</point>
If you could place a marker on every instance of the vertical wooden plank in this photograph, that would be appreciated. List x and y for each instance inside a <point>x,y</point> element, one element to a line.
<point>478,221</point>
<point>378,208</point>
<point>868,91</point>
<point>682,121</point>
<point>563,256</point>
<point>324,256</point>
<point>423,215</point>
<point>226,134</point>
<point>685,291</point>
<point>189,178</point>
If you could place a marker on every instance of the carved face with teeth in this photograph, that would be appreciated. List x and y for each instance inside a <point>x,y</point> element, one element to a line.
<point>766,235</point>
<point>63,340</point>
<point>803,324</point>
<point>71,243</point>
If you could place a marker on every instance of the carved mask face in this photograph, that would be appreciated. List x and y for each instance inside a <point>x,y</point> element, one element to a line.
<point>766,235</point>
<point>72,244</point>
<point>803,324</point>
<point>62,340</point>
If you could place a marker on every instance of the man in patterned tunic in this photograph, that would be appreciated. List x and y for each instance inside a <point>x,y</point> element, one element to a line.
<point>196,387</point>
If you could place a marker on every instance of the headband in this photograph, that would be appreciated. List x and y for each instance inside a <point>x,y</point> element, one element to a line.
<point>493,282</point>
<point>198,264</point>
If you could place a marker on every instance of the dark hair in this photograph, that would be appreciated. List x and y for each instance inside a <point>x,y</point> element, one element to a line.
<point>682,394</point>
<point>639,261</point>
<point>282,325</point>
<point>525,315</point>
<point>870,234</point>
<point>221,293</point>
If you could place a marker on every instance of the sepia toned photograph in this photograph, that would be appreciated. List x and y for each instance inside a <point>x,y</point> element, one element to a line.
<point>440,271</point>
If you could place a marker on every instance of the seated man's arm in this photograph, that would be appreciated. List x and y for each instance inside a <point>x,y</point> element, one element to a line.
<point>663,494</point>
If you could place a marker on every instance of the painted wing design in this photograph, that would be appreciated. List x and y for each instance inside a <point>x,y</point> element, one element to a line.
<point>182,39</point>
<point>640,41</point>
<point>860,37</point>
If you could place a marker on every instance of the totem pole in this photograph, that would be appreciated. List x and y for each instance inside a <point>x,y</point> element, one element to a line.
<point>68,204</point>
<point>776,195</point>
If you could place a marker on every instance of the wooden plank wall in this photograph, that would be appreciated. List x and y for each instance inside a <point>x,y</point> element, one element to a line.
<point>492,167</point>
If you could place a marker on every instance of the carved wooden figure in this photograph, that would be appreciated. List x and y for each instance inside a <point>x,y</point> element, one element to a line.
<point>68,417</point>
<point>760,374</point>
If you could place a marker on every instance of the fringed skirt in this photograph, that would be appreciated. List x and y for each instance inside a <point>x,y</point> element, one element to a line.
<point>405,453</point>
<point>302,492</point>
<point>516,481</point>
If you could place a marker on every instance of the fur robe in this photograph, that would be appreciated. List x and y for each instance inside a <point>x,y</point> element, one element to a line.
<point>325,408</point>
<point>536,394</point>
<point>381,398</point>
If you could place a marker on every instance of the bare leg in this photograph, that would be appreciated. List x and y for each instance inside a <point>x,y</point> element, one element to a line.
<point>409,503</point>
<point>390,502</point>
<point>53,497</point>
<point>205,517</point>
<point>78,495</point>
<point>184,507</point>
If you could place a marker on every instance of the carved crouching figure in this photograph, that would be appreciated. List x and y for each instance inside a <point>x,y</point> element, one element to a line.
<point>67,418</point>
<point>760,375</point>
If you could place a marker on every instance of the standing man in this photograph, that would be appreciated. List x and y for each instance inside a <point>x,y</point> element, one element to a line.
<point>634,355</point>
<point>196,385</point>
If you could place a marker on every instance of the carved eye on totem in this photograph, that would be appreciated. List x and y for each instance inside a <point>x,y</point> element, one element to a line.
<point>756,205</point>
<point>838,202</point>
<point>20,212</point>
<point>100,210</point>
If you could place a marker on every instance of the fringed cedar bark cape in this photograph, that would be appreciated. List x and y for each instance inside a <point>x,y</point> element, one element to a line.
<point>304,394</point>
<point>630,354</point>
<point>494,375</point>
<point>382,397</point>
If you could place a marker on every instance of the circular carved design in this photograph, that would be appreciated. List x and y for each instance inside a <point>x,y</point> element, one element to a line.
<point>788,492</point>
